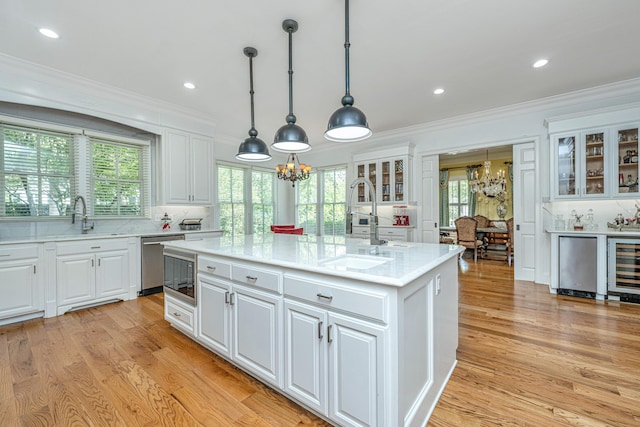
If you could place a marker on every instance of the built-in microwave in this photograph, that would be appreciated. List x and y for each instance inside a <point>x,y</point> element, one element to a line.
<point>180,274</point>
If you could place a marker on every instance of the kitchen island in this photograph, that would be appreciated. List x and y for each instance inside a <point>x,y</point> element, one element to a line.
<point>360,335</point>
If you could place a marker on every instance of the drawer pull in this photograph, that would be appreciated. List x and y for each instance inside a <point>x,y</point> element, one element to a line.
<point>176,314</point>
<point>210,268</point>
<point>254,278</point>
<point>327,297</point>
<point>5,254</point>
<point>95,247</point>
<point>320,336</point>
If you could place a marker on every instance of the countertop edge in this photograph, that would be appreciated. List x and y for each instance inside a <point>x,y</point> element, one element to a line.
<point>65,238</point>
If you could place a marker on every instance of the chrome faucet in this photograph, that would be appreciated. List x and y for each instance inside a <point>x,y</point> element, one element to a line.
<point>373,221</point>
<point>85,226</point>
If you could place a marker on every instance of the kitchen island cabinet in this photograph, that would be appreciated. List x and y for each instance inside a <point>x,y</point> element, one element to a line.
<point>360,339</point>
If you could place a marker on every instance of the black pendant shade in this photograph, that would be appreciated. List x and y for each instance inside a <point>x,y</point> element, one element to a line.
<point>347,124</point>
<point>291,137</point>
<point>253,149</point>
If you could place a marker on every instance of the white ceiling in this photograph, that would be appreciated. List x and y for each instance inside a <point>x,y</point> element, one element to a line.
<point>480,51</point>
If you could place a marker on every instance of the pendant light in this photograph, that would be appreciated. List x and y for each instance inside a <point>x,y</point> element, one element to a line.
<point>253,149</point>
<point>347,124</point>
<point>291,137</point>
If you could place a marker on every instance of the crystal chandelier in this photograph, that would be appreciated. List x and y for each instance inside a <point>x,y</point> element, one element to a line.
<point>293,170</point>
<point>489,185</point>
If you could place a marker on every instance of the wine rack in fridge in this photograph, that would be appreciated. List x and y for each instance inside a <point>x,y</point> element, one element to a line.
<point>624,268</point>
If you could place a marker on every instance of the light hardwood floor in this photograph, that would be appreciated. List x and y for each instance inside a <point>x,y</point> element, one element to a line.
<point>525,358</point>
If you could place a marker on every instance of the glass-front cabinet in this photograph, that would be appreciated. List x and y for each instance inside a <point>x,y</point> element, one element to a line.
<point>388,173</point>
<point>626,160</point>
<point>582,164</point>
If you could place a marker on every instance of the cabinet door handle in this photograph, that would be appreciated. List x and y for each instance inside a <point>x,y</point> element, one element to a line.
<point>210,268</point>
<point>329,339</point>
<point>226,297</point>
<point>93,263</point>
<point>99,262</point>
<point>231,298</point>
<point>327,297</point>
<point>176,314</point>
<point>254,278</point>
<point>34,269</point>
<point>320,336</point>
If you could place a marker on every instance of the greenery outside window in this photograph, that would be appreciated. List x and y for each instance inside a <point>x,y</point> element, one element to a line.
<point>37,172</point>
<point>458,198</point>
<point>246,202</point>
<point>321,202</point>
<point>262,202</point>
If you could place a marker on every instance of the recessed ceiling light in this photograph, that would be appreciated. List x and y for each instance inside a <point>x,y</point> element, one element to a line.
<point>438,91</point>
<point>189,85</point>
<point>48,33</point>
<point>540,63</point>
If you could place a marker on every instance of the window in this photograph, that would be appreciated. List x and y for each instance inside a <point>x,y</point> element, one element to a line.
<point>118,178</point>
<point>37,172</point>
<point>307,206</point>
<point>458,199</point>
<point>231,199</point>
<point>245,199</point>
<point>262,203</point>
<point>321,202</point>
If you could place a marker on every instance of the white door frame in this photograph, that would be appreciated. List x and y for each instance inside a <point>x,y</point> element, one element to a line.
<point>525,210</point>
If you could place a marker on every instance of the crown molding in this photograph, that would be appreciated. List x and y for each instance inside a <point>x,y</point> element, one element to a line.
<point>28,82</point>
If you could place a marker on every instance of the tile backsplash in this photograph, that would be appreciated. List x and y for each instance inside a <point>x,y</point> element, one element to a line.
<point>10,230</point>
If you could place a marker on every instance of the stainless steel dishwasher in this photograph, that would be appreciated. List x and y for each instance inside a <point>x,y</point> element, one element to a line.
<point>578,266</point>
<point>153,262</point>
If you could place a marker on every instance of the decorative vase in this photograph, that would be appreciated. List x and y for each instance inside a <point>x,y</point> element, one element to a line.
<point>501,209</point>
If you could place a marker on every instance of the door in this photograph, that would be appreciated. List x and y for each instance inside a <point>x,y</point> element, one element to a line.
<point>112,274</point>
<point>214,325</point>
<point>76,278</point>
<point>256,333</point>
<point>356,372</point>
<point>305,354</point>
<point>524,210</point>
<point>430,200</point>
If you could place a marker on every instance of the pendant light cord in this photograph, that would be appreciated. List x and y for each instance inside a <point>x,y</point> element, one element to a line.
<point>291,118</point>
<point>346,53</point>
<point>252,131</point>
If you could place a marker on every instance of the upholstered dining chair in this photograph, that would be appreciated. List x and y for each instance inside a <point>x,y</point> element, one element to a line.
<point>466,229</point>
<point>483,222</point>
<point>510,240</point>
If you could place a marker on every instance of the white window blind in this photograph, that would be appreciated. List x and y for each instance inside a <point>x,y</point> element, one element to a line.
<point>120,178</point>
<point>37,172</point>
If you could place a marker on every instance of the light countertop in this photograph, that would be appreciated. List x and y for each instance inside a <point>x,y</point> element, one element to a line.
<point>403,261</point>
<point>65,237</point>
<point>601,231</point>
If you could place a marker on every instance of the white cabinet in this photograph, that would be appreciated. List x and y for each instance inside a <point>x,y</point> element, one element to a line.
<point>334,363</point>
<point>187,172</point>
<point>397,233</point>
<point>91,272</point>
<point>241,322</point>
<point>388,171</point>
<point>582,164</point>
<point>20,287</point>
<point>625,160</point>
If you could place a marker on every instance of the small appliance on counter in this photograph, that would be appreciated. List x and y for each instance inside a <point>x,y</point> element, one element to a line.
<point>400,216</point>
<point>190,224</point>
